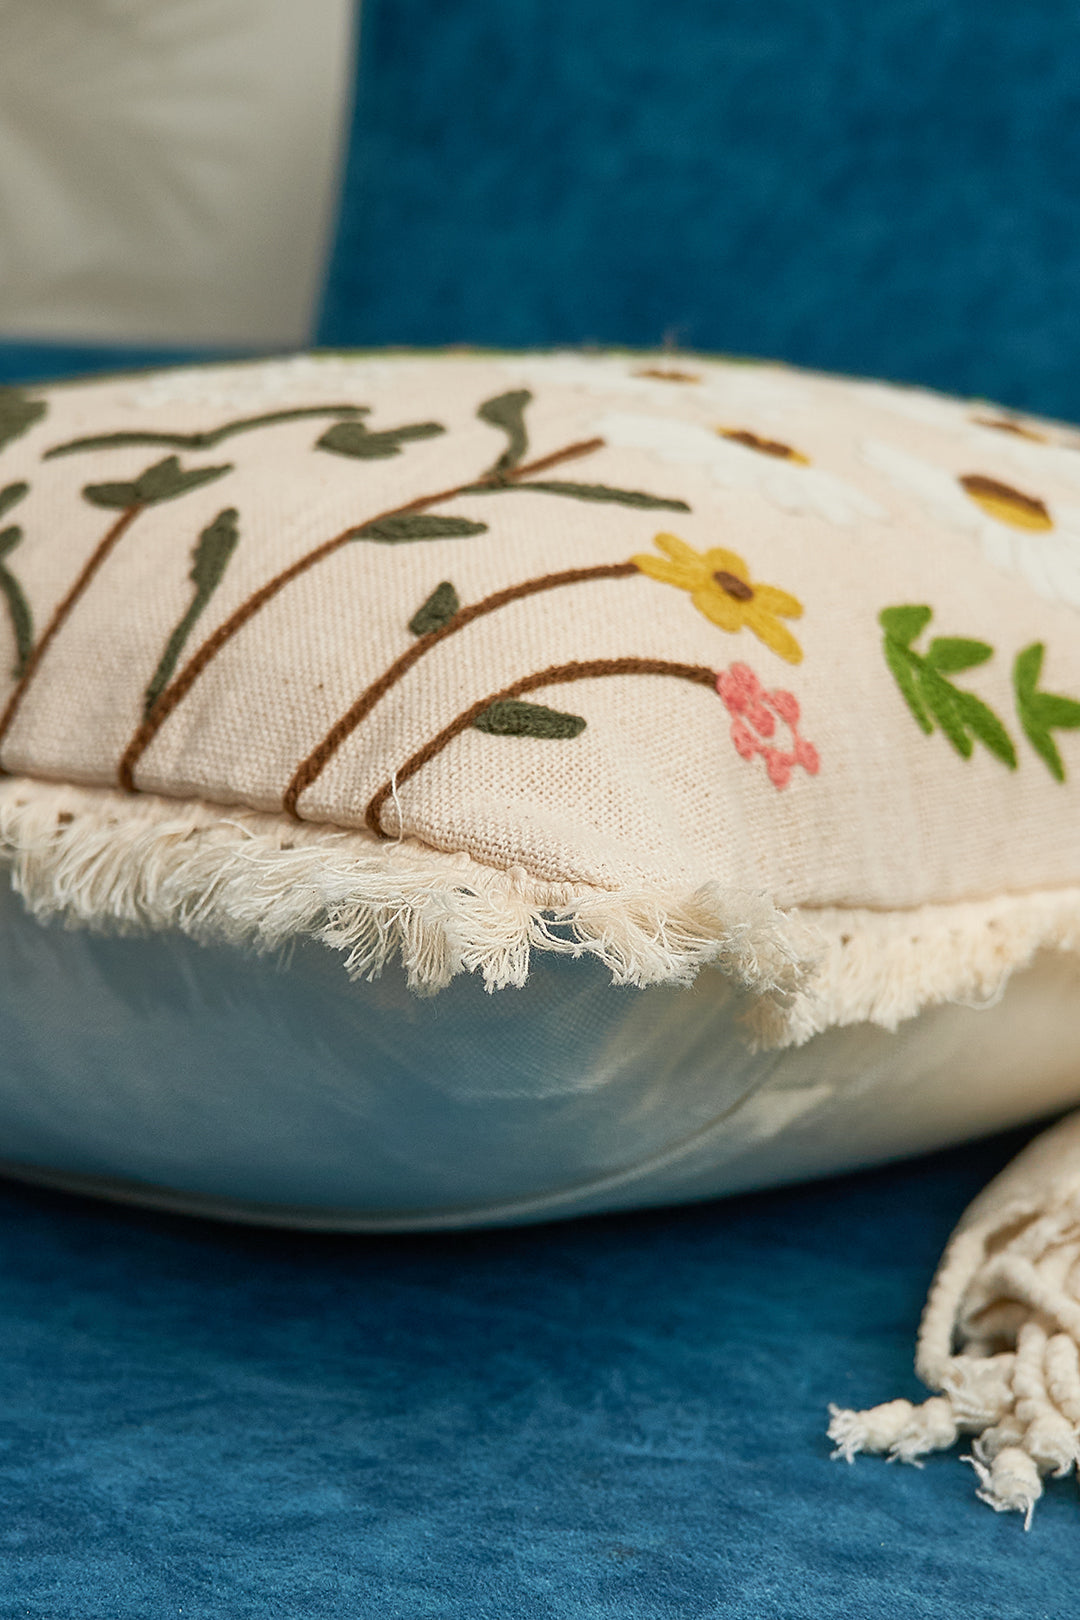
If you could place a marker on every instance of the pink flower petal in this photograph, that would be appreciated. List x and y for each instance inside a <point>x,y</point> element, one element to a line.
<point>786,705</point>
<point>745,742</point>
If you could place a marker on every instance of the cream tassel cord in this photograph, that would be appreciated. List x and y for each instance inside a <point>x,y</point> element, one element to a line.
<point>999,1340</point>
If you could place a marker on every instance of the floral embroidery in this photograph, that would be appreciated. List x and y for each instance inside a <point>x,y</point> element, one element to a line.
<point>786,482</point>
<point>663,374</point>
<point>721,588</point>
<point>18,414</point>
<point>18,608</point>
<point>931,697</point>
<point>766,447</point>
<point>752,709</point>
<point>1018,532</point>
<point>1042,712</point>
<point>1006,504</point>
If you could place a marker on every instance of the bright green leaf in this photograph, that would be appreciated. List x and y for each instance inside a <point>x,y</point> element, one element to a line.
<point>953,653</point>
<point>984,724</point>
<point>904,623</point>
<point>901,663</point>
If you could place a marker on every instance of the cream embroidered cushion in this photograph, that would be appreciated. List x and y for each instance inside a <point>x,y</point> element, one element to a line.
<point>724,719</point>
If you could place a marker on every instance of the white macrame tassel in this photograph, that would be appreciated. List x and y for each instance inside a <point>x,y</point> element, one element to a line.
<point>1000,1337</point>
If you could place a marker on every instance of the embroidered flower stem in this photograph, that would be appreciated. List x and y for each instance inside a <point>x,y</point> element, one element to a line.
<point>555,675</point>
<point>310,769</point>
<point>110,539</point>
<point>182,684</point>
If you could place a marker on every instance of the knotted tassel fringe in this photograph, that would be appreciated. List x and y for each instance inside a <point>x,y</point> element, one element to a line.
<point>1000,1337</point>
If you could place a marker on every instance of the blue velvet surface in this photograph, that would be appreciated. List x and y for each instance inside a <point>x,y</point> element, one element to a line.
<point>885,188</point>
<point>618,1418</point>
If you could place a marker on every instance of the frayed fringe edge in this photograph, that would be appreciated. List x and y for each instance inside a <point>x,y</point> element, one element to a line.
<point>104,860</point>
<point>885,967</point>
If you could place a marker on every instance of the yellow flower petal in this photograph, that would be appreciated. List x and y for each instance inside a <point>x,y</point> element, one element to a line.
<point>719,608</point>
<point>774,600</point>
<point>772,633</point>
<point>670,573</point>
<point>729,562</point>
<point>678,550</point>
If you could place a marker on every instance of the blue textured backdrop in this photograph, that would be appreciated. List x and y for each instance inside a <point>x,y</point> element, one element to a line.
<point>620,1419</point>
<point>616,1419</point>
<point>885,188</point>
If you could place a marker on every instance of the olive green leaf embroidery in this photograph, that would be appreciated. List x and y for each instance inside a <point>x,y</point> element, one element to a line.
<point>934,700</point>
<point>602,492</point>
<point>438,610</point>
<point>209,560</point>
<point>356,440</point>
<point>1042,712</point>
<point>164,481</point>
<point>392,531</point>
<point>507,411</point>
<point>206,440</point>
<point>18,608</point>
<point>511,717</point>
<point>18,414</point>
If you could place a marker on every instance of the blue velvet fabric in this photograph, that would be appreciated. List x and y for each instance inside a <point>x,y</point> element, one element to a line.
<point>888,188</point>
<point>612,1419</point>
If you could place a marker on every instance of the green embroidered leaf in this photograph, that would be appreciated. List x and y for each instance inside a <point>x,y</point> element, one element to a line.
<point>162,482</point>
<point>1027,669</point>
<point>354,439</point>
<point>940,699</point>
<point>984,724</point>
<point>903,624</point>
<point>419,526</point>
<point>953,653</point>
<point>1061,713</point>
<point>111,495</point>
<point>209,560</point>
<point>934,701</point>
<point>507,411</point>
<point>901,663</point>
<point>438,610</point>
<point>513,718</point>
<point>11,495</point>
<point>1042,712</point>
<point>201,441</point>
<point>18,608</point>
<point>597,492</point>
<point>165,480</point>
<point>18,414</point>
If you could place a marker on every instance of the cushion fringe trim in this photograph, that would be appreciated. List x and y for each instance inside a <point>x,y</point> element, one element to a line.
<point>102,859</point>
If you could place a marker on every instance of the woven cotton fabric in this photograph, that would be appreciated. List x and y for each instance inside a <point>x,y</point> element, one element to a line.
<point>808,638</point>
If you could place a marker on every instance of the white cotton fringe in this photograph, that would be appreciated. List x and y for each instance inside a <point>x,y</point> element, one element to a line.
<point>102,859</point>
<point>1000,1337</point>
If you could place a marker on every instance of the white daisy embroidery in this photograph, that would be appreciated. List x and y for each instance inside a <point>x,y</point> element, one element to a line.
<point>736,458</point>
<point>1017,531</point>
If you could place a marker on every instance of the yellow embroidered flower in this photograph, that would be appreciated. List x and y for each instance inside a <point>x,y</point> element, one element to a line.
<point>720,587</point>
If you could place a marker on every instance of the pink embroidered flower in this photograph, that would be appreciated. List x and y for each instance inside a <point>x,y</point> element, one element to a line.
<point>754,713</point>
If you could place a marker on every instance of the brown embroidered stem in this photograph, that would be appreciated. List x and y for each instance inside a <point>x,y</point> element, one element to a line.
<point>310,769</point>
<point>61,612</point>
<point>555,675</point>
<point>178,689</point>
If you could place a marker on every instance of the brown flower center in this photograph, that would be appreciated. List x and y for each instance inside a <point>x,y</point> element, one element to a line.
<point>765,447</point>
<point>733,585</point>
